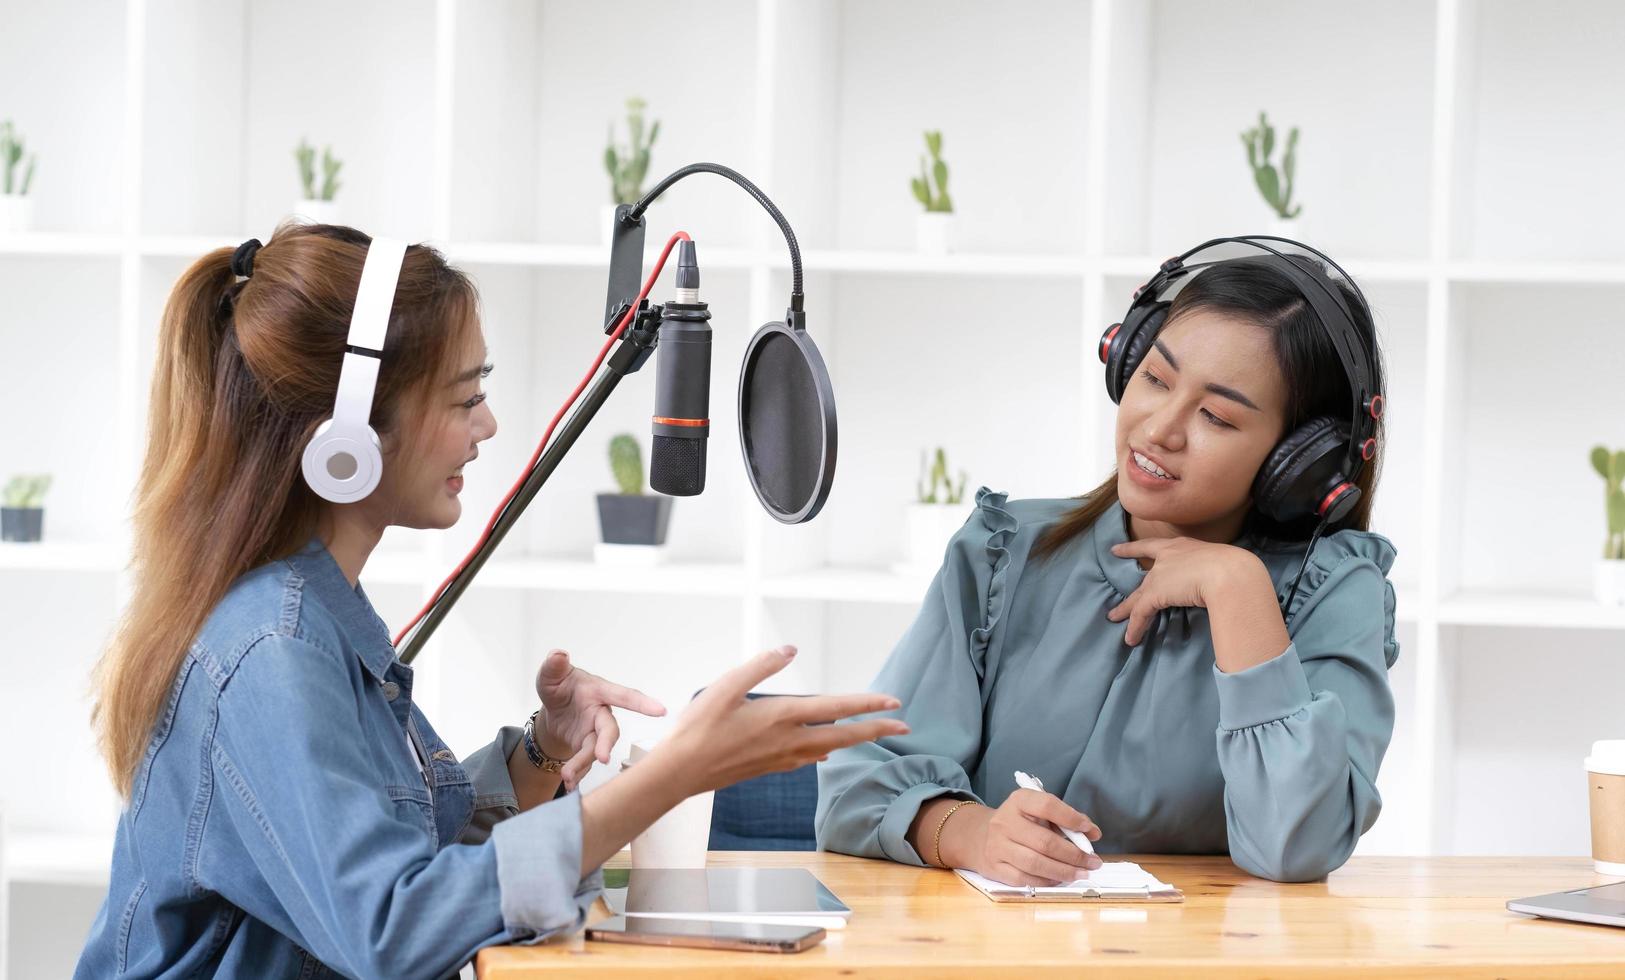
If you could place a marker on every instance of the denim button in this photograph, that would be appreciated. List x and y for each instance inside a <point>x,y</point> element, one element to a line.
<point>392,690</point>
<point>445,755</point>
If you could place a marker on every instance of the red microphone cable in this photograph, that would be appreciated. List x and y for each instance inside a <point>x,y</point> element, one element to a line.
<point>541,447</point>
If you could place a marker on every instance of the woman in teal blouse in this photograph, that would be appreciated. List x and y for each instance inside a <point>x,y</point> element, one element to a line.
<point>1132,650</point>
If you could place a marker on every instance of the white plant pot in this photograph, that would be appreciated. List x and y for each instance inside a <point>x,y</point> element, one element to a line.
<point>316,212</point>
<point>929,528</point>
<point>934,232</point>
<point>16,214</point>
<point>1610,582</point>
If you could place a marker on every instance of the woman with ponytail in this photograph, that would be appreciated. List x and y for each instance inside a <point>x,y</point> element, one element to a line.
<point>289,811</point>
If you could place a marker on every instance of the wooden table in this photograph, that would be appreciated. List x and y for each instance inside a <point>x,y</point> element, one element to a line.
<point>1432,917</point>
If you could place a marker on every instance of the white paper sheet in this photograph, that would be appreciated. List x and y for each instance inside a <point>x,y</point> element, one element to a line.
<point>1112,878</point>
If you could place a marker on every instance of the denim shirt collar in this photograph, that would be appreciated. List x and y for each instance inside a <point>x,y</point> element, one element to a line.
<point>350,606</point>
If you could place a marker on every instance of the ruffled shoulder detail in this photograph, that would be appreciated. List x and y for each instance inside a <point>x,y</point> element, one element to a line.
<point>1001,526</point>
<point>1331,554</point>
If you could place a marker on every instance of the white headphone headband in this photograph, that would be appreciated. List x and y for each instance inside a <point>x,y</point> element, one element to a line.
<point>344,460</point>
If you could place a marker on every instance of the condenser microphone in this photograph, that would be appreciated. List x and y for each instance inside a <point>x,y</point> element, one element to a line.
<point>682,419</point>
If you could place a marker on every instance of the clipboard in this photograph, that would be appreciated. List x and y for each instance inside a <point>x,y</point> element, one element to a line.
<point>1152,892</point>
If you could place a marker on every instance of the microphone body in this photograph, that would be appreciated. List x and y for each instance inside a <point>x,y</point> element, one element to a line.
<point>682,417</point>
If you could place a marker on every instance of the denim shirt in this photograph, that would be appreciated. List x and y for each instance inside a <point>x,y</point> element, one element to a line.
<point>279,824</point>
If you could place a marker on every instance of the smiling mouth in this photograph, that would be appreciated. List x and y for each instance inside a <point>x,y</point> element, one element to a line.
<point>1147,466</point>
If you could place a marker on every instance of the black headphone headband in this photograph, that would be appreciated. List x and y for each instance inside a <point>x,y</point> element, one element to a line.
<point>1331,308</point>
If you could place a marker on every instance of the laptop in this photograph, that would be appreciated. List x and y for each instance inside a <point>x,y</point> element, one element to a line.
<point>1603,905</point>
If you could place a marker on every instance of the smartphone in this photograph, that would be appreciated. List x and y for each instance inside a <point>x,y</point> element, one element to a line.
<point>749,936</point>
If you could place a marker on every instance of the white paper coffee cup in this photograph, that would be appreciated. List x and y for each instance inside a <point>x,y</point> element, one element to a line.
<point>681,838</point>
<point>1605,779</point>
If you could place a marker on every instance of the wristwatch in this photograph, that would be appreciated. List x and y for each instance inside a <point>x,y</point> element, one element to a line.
<point>538,758</point>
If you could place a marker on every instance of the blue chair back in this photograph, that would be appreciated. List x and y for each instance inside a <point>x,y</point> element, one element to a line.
<point>769,813</point>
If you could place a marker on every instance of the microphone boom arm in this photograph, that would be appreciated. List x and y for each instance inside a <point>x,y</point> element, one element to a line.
<point>637,344</point>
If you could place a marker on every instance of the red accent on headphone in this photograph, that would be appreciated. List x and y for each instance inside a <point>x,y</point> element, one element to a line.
<point>1106,342</point>
<point>1374,405</point>
<point>1368,449</point>
<point>1331,498</point>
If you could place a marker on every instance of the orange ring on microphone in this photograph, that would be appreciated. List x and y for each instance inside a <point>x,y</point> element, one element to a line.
<point>695,423</point>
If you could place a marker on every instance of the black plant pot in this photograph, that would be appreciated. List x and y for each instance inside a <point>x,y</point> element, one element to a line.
<point>22,523</point>
<point>640,519</point>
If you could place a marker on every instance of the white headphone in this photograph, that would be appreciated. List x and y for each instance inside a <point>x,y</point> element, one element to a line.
<point>345,460</point>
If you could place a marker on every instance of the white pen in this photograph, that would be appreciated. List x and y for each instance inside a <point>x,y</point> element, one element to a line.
<point>1034,783</point>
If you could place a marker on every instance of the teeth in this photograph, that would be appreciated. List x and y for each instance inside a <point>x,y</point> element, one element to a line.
<point>1150,467</point>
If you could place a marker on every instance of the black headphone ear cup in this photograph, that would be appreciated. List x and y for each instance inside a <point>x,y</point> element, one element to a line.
<point>1301,470</point>
<point>1131,344</point>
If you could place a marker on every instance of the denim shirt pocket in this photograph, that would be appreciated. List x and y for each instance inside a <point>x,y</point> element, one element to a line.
<point>414,806</point>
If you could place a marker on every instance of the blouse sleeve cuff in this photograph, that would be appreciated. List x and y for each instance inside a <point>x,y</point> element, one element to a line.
<point>1262,693</point>
<point>900,816</point>
<point>539,870</point>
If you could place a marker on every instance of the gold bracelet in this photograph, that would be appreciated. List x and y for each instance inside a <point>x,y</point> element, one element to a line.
<point>937,845</point>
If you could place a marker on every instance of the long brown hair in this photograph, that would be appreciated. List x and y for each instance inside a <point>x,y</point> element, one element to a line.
<point>246,370</point>
<point>1316,383</point>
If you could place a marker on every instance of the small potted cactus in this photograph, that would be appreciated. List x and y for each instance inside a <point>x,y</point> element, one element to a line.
<point>631,524</point>
<point>1275,186</point>
<point>317,205</point>
<point>627,164</point>
<point>938,511</point>
<point>933,233</point>
<point>16,177</point>
<point>1610,580</point>
<point>22,508</point>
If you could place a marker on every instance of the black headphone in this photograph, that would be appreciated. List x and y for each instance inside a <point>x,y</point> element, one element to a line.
<point>1313,468</point>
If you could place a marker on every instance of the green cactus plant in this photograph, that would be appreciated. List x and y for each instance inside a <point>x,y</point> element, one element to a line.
<point>1276,187</point>
<point>628,165</point>
<point>937,475</point>
<point>26,491</point>
<point>11,158</point>
<point>1611,467</point>
<point>626,461</point>
<point>305,154</point>
<point>939,200</point>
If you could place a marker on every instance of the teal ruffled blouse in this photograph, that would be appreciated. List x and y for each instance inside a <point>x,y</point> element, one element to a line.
<point>1012,664</point>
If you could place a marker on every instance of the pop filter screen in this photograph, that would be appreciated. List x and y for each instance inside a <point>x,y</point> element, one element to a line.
<point>787,423</point>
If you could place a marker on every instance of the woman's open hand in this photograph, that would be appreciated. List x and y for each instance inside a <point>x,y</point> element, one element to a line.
<point>577,722</point>
<point>722,737</point>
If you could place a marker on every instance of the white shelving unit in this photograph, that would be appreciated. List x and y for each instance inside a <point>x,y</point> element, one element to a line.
<point>1088,140</point>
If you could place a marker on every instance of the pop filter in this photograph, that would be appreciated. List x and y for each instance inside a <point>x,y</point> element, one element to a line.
<point>787,422</point>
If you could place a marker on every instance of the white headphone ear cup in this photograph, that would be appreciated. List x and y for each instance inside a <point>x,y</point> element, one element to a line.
<point>343,463</point>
